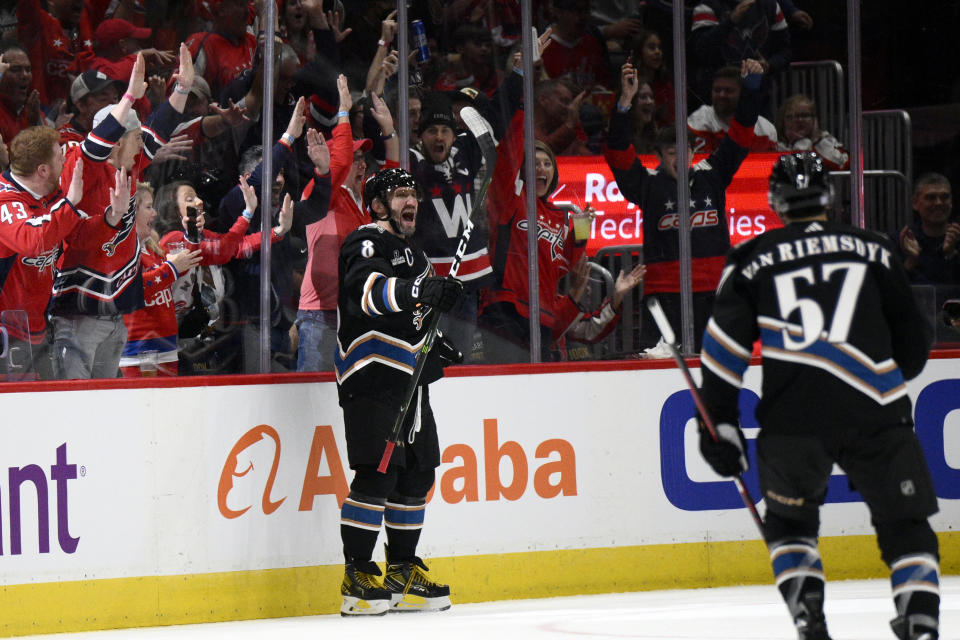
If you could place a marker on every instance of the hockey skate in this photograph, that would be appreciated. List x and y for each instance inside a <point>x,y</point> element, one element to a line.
<point>411,590</point>
<point>363,595</point>
<point>811,625</point>
<point>916,627</point>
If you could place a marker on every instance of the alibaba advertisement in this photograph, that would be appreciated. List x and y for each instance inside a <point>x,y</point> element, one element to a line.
<point>587,181</point>
<point>251,477</point>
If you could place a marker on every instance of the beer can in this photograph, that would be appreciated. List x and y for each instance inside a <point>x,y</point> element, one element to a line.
<point>420,40</point>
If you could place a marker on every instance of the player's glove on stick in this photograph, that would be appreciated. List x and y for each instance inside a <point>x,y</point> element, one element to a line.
<point>727,454</point>
<point>440,293</point>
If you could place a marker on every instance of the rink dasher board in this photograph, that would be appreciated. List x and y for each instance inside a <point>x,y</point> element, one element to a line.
<point>148,520</point>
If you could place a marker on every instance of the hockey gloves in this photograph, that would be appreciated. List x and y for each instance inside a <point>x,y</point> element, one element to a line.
<point>727,454</point>
<point>440,293</point>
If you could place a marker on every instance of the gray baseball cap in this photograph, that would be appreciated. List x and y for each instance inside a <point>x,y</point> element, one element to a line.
<point>89,82</point>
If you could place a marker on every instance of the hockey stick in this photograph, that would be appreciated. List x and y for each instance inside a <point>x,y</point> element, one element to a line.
<point>477,126</point>
<point>653,305</point>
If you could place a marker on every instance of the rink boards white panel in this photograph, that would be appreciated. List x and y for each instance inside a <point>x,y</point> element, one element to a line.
<point>219,479</point>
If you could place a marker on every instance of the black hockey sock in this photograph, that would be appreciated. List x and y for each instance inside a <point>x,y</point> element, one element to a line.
<point>360,518</point>
<point>915,580</point>
<point>404,519</point>
<point>799,576</point>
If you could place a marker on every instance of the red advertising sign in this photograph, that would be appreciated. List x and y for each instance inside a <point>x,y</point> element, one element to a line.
<point>588,181</point>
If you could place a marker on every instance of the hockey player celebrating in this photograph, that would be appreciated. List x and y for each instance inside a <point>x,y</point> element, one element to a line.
<point>386,297</point>
<point>833,309</point>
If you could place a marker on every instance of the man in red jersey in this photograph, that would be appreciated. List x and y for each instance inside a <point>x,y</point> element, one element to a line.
<point>34,217</point>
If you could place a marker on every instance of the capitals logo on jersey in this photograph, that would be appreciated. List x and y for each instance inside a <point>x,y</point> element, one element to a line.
<point>709,217</point>
<point>553,235</point>
<point>43,260</point>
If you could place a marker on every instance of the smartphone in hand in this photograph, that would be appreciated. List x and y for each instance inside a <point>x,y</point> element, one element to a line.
<point>193,232</point>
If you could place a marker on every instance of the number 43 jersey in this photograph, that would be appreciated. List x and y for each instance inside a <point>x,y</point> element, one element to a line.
<point>839,330</point>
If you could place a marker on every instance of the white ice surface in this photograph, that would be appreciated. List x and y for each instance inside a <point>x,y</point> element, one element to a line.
<point>856,610</point>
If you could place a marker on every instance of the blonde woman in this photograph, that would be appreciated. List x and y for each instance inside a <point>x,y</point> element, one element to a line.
<point>153,328</point>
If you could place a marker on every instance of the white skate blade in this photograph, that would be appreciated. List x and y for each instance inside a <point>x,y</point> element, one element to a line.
<point>353,606</point>
<point>400,603</point>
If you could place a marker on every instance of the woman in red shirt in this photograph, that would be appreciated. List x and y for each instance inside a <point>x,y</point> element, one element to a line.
<point>505,309</point>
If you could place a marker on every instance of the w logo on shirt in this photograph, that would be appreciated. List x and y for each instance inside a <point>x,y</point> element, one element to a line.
<point>453,221</point>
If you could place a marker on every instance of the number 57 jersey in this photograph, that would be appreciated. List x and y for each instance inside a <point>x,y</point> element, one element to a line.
<point>839,329</point>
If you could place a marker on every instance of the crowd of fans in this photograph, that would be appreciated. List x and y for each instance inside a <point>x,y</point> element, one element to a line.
<point>158,105</point>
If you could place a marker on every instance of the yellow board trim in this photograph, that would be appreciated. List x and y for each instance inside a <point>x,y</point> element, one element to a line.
<point>274,593</point>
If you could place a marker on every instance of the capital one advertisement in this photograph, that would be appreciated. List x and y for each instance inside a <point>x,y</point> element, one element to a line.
<point>153,482</point>
<point>588,181</point>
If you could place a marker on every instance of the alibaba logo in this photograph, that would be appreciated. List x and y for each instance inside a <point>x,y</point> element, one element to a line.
<point>231,470</point>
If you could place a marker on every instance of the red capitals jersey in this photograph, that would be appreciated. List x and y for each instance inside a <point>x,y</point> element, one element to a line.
<point>31,229</point>
<point>99,271</point>
<point>506,207</point>
<point>51,49</point>
<point>218,60</point>
<point>154,327</point>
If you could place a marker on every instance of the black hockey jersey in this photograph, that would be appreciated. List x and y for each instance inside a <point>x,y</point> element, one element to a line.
<point>839,328</point>
<point>377,341</point>
<point>655,192</point>
<point>445,208</point>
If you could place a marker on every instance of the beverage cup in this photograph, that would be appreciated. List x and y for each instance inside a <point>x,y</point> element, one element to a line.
<point>148,364</point>
<point>581,225</point>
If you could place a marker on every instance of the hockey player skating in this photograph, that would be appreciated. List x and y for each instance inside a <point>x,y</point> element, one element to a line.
<point>840,335</point>
<point>386,298</point>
